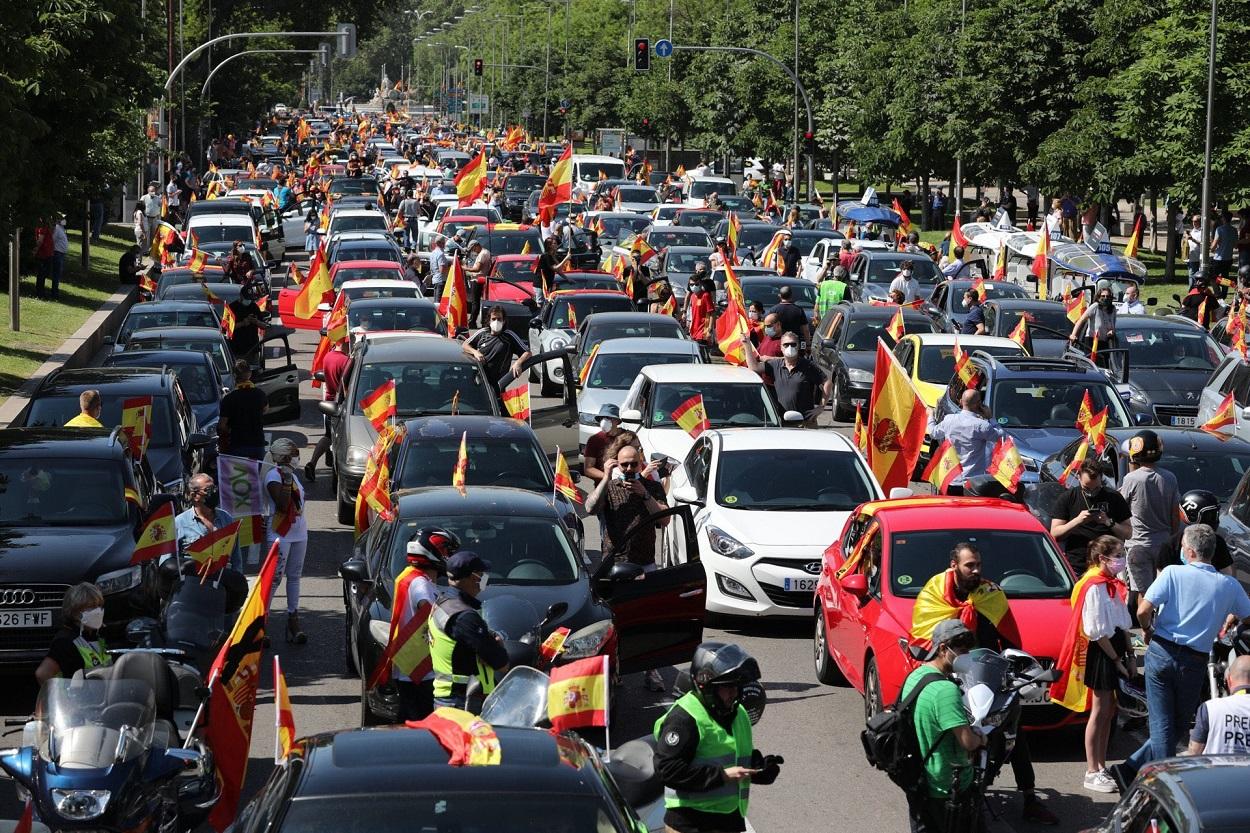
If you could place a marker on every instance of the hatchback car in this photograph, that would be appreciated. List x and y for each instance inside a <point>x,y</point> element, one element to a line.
<point>1047,321</point>
<point>946,303</point>
<point>600,327</point>
<point>197,374</point>
<point>553,327</point>
<point>396,314</point>
<point>872,272</point>
<point>155,314</point>
<point>929,358</point>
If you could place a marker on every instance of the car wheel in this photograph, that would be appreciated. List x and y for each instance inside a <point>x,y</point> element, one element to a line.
<point>827,670</point>
<point>547,387</point>
<point>353,668</point>
<point>872,689</point>
<point>367,717</point>
<point>334,474</point>
<point>842,411</point>
<point>347,508</point>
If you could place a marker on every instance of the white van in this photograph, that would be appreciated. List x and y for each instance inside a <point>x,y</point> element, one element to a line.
<point>699,188</point>
<point>587,170</point>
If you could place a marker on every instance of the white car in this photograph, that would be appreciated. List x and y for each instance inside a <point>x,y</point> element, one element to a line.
<point>640,199</point>
<point>1232,375</point>
<point>732,397</point>
<point>662,215</point>
<point>699,188</point>
<point>614,369</point>
<point>356,220</point>
<point>767,502</point>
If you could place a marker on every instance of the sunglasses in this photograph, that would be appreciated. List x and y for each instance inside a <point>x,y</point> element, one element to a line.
<point>628,465</point>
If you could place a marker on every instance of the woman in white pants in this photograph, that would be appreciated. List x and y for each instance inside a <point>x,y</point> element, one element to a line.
<point>289,527</point>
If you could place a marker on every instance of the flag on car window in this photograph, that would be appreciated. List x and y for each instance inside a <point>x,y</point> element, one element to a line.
<point>379,405</point>
<point>564,479</point>
<point>517,400</point>
<point>894,329</point>
<point>136,424</point>
<point>283,716</point>
<point>584,373</point>
<point>1082,451</point>
<point>691,416</point>
<point>1224,416</point>
<point>577,696</point>
<point>157,538</point>
<point>1020,333</point>
<point>1096,430</point>
<point>460,473</point>
<point>1006,465</point>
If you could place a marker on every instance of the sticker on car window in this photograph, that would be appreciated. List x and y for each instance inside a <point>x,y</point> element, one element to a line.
<point>659,417</point>
<point>731,498</point>
<point>1002,420</point>
<point>850,346</point>
<point>904,580</point>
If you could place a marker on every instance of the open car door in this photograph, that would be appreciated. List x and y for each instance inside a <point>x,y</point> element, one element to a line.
<point>278,376</point>
<point>569,403</point>
<point>659,616</point>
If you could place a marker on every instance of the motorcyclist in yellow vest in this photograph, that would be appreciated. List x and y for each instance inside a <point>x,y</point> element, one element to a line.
<point>415,590</point>
<point>461,645</point>
<point>704,749</point>
<point>78,645</point>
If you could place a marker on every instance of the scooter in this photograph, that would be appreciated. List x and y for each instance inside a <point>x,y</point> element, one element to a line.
<point>1234,643</point>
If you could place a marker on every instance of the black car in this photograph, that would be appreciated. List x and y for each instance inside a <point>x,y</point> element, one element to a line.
<point>180,276</point>
<point>873,270</point>
<point>844,346</point>
<point>66,518</point>
<point>398,778</point>
<point>197,374</point>
<point>1197,794</point>
<point>407,314</point>
<point>533,556</point>
<point>766,290</point>
<point>176,445</point>
<point>946,303</point>
<point>704,218</point>
<point>1169,362</point>
<point>194,313</point>
<point>516,190</point>
<point>1047,321</point>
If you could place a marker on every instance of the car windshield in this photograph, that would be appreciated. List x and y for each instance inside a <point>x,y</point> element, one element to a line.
<point>1043,323</point>
<point>1169,349</point>
<point>704,188</point>
<point>223,234</point>
<point>342,276</point>
<point>375,318</point>
<point>61,490</point>
<point>884,270</point>
<point>637,195</point>
<point>1052,403</point>
<point>617,371</point>
<point>147,320</point>
<point>522,184</point>
<point>862,333</point>
<point>803,294</point>
<point>55,411</point>
<point>596,333</point>
<point>367,252</point>
<point>521,550</point>
<point>683,262</point>
<point>756,237</point>
<point>590,171</point>
<point>437,812</point>
<point>521,271</point>
<point>662,237</point>
<point>428,387</point>
<point>583,307</point>
<point>706,220</point>
<point>197,383</point>
<point>353,185</point>
<point>727,404</point>
<point>372,222</point>
<point>213,347</point>
<point>359,293</point>
<point>937,362</point>
<point>493,461</point>
<point>806,242</point>
<point>1025,564</point>
<point>618,227</point>
<point>782,480</point>
<point>514,242</point>
<point>1217,471</point>
<point>955,297</point>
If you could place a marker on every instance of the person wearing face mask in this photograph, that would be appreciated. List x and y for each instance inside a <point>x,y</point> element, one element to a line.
<point>974,321</point>
<point>770,340</point>
<point>461,645</point>
<point>906,282</point>
<point>499,350</point>
<point>609,429</point>
<point>1131,304</point>
<point>78,645</point>
<point>204,516</point>
<point>1098,322</point>
<point>798,383</point>
<point>755,322</point>
<point>289,527</point>
<point>1094,656</point>
<point>700,304</point>
<point>1087,512</point>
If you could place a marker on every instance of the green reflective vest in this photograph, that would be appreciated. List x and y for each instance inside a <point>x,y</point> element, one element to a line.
<point>442,647</point>
<point>94,654</point>
<point>719,749</point>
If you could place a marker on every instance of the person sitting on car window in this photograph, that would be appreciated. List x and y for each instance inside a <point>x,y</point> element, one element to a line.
<point>77,646</point>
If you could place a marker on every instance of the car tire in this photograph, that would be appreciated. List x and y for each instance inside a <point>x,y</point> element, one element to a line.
<point>353,668</point>
<point>346,508</point>
<point>827,671</point>
<point>367,717</point>
<point>842,411</point>
<point>546,386</point>
<point>872,689</point>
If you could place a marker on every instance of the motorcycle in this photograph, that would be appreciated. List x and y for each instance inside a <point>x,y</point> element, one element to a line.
<point>1232,644</point>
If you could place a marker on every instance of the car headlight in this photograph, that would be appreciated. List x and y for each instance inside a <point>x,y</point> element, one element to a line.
<point>119,581</point>
<point>357,456</point>
<point>859,377</point>
<point>558,343</point>
<point>725,544</point>
<point>588,419</point>
<point>81,805</point>
<point>588,641</point>
<point>1135,395</point>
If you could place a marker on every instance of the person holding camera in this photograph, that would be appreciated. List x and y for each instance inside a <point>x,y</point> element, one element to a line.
<point>1088,511</point>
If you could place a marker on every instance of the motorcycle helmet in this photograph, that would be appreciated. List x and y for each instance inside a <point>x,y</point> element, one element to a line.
<point>1131,699</point>
<point>1243,275</point>
<point>431,547</point>
<point>1201,507</point>
<point>1144,447</point>
<point>722,664</point>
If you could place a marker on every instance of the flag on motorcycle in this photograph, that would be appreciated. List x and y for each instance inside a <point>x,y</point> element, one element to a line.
<point>239,484</point>
<point>232,682</point>
<point>553,645</point>
<point>157,538</point>
<point>691,416</point>
<point>943,468</point>
<point>564,480</point>
<point>1069,690</point>
<point>379,405</point>
<point>136,424</point>
<point>212,551</point>
<point>283,716</point>
<point>896,422</point>
<point>517,400</point>
<point>577,696</point>
<point>468,739</point>
<point>1006,466</point>
<point>937,601</point>
<point>1224,416</point>
<point>408,644</point>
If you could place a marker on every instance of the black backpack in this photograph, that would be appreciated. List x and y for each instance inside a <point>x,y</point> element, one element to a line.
<point>890,742</point>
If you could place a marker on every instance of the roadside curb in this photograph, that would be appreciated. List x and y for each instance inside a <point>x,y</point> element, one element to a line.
<point>75,351</point>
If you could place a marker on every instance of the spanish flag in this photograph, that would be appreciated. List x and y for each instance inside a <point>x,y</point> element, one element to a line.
<point>584,373</point>
<point>212,551</point>
<point>553,645</point>
<point>283,716</point>
<point>642,249</point>
<point>577,696</point>
<point>157,538</point>
<point>1082,451</point>
<point>904,219</point>
<point>336,325</point>
<point>943,468</point>
<point>735,229</point>
<point>136,424</point>
<point>733,288</point>
<point>558,188</point>
<point>1069,690</point>
<point>897,419</point>
<point>471,181</point>
<point>963,366</point>
<point>1224,416</point>
<point>379,406</point>
<point>957,231</point>
<point>251,530</point>
<point>227,321</point>
<point>1096,430</point>
<point>1000,265</point>
<point>460,473</point>
<point>1085,413</point>
<point>1074,307</point>
<point>938,601</point>
<point>315,287</point>
<point>860,435</point>
<point>453,306</point>
<point>894,329</point>
<point>1041,267</point>
<point>564,480</point>
<point>468,739</point>
<point>731,326</point>
<point>517,400</point>
<point>198,261</point>
<point>1006,466</point>
<point>1020,333</point>
<point>408,646</point>
<point>691,416</point>
<point>1134,239</point>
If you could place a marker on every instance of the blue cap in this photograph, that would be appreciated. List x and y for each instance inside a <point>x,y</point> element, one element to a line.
<point>610,411</point>
<point>465,563</point>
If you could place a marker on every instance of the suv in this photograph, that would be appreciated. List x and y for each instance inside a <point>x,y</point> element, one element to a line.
<point>176,448</point>
<point>1036,401</point>
<point>872,271</point>
<point>72,504</point>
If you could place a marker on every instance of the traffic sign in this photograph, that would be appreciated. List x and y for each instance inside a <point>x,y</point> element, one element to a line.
<point>663,48</point>
<point>564,102</point>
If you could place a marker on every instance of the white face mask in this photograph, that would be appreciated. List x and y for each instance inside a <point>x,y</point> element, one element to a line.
<point>92,618</point>
<point>482,581</point>
<point>496,325</point>
<point>606,425</point>
<point>789,350</point>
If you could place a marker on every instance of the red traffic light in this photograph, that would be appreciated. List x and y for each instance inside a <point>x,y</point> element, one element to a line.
<point>809,135</point>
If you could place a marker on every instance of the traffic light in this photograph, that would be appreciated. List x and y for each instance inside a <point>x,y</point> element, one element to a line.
<point>809,143</point>
<point>346,40</point>
<point>642,54</point>
<point>645,126</point>
<point>477,67</point>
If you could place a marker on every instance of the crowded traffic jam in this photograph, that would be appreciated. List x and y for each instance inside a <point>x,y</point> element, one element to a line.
<point>590,429</point>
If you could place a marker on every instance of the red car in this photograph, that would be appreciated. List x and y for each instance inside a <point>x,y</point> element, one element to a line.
<point>863,621</point>
<point>341,272</point>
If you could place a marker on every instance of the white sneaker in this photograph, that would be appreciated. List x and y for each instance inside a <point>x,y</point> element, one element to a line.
<point>1100,782</point>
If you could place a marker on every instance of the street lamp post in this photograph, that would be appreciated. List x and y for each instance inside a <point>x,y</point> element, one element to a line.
<point>959,160</point>
<point>1206,160</point>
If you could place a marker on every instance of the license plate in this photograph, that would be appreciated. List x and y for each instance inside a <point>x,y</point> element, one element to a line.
<point>800,585</point>
<point>1041,698</point>
<point>1184,422</point>
<point>25,618</point>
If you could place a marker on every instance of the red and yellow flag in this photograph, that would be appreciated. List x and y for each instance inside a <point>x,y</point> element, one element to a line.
<point>408,647</point>
<point>894,329</point>
<point>553,645</point>
<point>136,424</point>
<point>1225,415</point>
<point>379,405</point>
<point>731,238</point>
<point>1074,307</point>
<point>1082,451</point>
<point>731,326</point>
<point>1020,333</point>
<point>957,231</point>
<point>943,468</point>
<point>283,716</point>
<point>1000,266</point>
<point>336,325</point>
<point>577,695</point>
<point>691,416</point>
<point>459,474</point>
<point>315,287</point>
<point>471,181</point>
<point>963,366</point>
<point>158,538</point>
<point>904,219</point>
<point>938,600</point>
<point>1070,690</point>
<point>572,316</point>
<point>467,739</point>
<point>453,306</point>
<point>251,530</point>
<point>860,435</point>
<point>1085,413</point>
<point>228,321</point>
<point>198,261</point>
<point>978,286</point>
<point>1096,430</point>
<point>517,400</point>
<point>584,373</point>
<point>640,247</point>
<point>558,188</point>
<point>564,480</point>
<point>1041,267</point>
<point>1202,312</point>
<point>897,418</point>
<point>212,551</point>
<point>1006,465</point>
<point>1134,239</point>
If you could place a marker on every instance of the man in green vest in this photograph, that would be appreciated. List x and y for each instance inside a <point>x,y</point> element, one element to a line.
<point>704,750</point>
<point>461,646</point>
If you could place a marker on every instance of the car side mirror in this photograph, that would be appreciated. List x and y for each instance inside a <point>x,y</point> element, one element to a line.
<point>199,439</point>
<point>686,494</point>
<point>1152,301</point>
<point>631,415</point>
<point>354,569</point>
<point>856,584</point>
<point>831,343</point>
<point>792,418</point>
<point>1143,419</point>
<point>536,323</point>
<point>320,376</point>
<point>330,409</point>
<point>625,571</point>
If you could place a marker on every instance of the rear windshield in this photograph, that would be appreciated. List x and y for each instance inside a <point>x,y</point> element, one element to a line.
<point>514,242</point>
<point>215,348</point>
<point>55,411</point>
<point>883,271</point>
<point>428,387</point>
<point>662,237</point>
<point>61,490</point>
<point>422,318</point>
<point>617,371</point>
<point>583,307</point>
<point>171,318</point>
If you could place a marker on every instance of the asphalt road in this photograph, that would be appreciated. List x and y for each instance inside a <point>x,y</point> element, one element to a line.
<point>825,783</point>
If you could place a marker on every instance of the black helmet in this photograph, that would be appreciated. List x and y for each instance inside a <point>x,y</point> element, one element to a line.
<point>1201,507</point>
<point>718,664</point>
<point>1243,273</point>
<point>1144,447</point>
<point>431,547</point>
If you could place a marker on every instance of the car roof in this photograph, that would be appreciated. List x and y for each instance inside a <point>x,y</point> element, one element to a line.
<point>170,306</point>
<point>967,342</point>
<point>653,345</point>
<point>365,264</point>
<point>701,373</point>
<point>629,318</point>
<point>685,250</point>
<point>178,332</point>
<point>53,443</point>
<point>1034,366</point>
<point>1024,303</point>
<point>744,439</point>
<point>672,229</point>
<point>933,512</point>
<point>1194,439</point>
<point>483,501</point>
<point>863,310</point>
<point>891,254</point>
<point>376,283</point>
<point>157,358</point>
<point>477,425</point>
<point>114,379</point>
<point>416,347</point>
<point>394,301</point>
<point>1157,322</point>
<point>775,279</point>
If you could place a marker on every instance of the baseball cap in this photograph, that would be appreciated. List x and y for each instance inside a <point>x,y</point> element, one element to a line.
<point>946,631</point>
<point>465,563</point>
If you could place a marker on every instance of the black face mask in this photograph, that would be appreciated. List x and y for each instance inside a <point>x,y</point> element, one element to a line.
<point>211,498</point>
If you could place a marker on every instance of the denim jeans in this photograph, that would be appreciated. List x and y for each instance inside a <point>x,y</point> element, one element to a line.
<point>1174,677</point>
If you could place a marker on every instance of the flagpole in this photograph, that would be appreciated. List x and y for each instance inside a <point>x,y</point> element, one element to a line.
<point>555,487</point>
<point>277,711</point>
<point>607,708</point>
<point>199,711</point>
